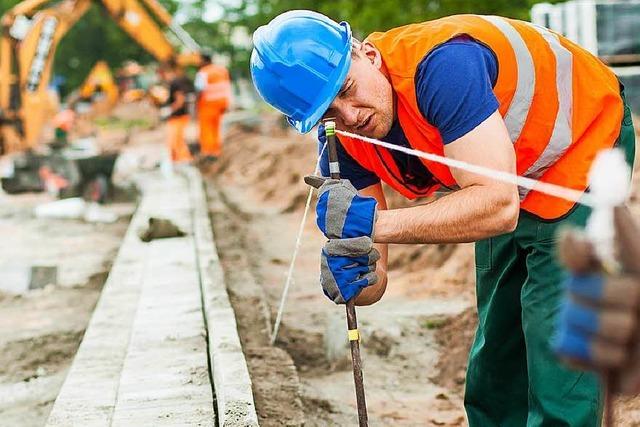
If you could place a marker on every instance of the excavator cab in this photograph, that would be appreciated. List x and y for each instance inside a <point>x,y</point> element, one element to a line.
<point>99,89</point>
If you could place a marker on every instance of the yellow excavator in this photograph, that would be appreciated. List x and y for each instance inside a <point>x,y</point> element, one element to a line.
<point>30,33</point>
<point>99,89</point>
<point>129,82</point>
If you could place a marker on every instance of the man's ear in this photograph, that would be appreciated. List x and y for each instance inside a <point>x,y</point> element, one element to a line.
<point>372,54</point>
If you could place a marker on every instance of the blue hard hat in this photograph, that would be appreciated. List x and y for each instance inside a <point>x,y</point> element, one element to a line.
<point>299,63</point>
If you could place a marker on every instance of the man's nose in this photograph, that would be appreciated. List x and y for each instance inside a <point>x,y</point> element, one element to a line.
<point>348,114</point>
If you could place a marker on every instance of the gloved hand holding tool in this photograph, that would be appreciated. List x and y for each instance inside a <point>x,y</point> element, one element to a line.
<point>347,266</point>
<point>346,219</point>
<point>348,258</point>
<point>341,212</point>
<point>598,327</point>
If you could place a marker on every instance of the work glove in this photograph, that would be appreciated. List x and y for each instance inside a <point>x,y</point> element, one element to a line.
<point>598,325</point>
<point>347,266</point>
<point>341,213</point>
<point>165,113</point>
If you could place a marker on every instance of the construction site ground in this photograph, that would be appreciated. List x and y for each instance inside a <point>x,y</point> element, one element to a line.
<point>415,340</point>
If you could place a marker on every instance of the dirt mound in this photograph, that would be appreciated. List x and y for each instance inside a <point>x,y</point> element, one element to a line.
<point>271,164</point>
<point>456,335</point>
<point>277,392</point>
<point>305,348</point>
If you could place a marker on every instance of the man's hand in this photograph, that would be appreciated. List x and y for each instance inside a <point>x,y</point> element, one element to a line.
<point>347,266</point>
<point>348,259</point>
<point>341,212</point>
<point>598,325</point>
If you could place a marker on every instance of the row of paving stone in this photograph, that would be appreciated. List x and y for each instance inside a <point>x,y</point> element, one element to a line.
<point>162,346</point>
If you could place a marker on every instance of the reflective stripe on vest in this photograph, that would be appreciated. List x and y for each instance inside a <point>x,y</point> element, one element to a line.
<point>217,91</point>
<point>518,111</point>
<point>562,134</point>
<point>526,82</point>
<point>217,85</point>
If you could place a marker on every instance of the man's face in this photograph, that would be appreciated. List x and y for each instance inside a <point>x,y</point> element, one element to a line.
<point>364,104</point>
<point>166,75</point>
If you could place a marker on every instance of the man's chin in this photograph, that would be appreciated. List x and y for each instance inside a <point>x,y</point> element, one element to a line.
<point>379,132</point>
<point>373,132</point>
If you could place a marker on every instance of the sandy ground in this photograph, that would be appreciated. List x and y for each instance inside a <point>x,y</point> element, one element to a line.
<point>40,330</point>
<point>415,341</point>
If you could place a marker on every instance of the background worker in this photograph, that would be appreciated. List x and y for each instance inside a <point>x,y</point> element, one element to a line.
<point>490,91</point>
<point>599,326</point>
<point>213,88</point>
<point>176,111</point>
<point>63,122</point>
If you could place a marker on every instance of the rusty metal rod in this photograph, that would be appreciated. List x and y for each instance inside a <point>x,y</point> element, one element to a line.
<point>352,321</point>
<point>608,381</point>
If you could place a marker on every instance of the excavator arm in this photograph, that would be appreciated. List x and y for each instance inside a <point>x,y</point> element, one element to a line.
<point>28,42</point>
<point>132,17</point>
<point>26,70</point>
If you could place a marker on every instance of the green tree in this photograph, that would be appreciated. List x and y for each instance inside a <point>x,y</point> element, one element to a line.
<point>5,5</point>
<point>95,37</point>
<point>366,16</point>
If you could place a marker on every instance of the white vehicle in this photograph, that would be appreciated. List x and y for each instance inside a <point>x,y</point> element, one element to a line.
<point>610,29</point>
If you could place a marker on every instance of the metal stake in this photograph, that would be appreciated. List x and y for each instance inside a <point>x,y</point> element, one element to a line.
<point>352,321</point>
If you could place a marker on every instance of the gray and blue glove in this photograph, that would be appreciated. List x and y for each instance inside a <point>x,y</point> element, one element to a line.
<point>598,326</point>
<point>347,266</point>
<point>585,323</point>
<point>348,259</point>
<point>341,212</point>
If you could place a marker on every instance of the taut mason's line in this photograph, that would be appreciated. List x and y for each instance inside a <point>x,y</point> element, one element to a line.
<point>521,181</point>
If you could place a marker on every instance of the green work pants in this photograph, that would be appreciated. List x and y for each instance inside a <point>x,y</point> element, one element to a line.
<point>513,378</point>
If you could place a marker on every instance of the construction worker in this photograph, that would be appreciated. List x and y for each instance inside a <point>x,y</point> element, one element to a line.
<point>213,88</point>
<point>486,90</point>
<point>176,112</point>
<point>63,122</point>
<point>598,328</point>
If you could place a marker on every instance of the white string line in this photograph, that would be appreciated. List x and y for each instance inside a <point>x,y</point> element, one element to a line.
<point>521,181</point>
<point>529,183</point>
<point>287,284</point>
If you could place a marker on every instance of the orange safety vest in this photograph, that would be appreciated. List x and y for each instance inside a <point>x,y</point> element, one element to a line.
<point>561,105</point>
<point>217,90</point>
